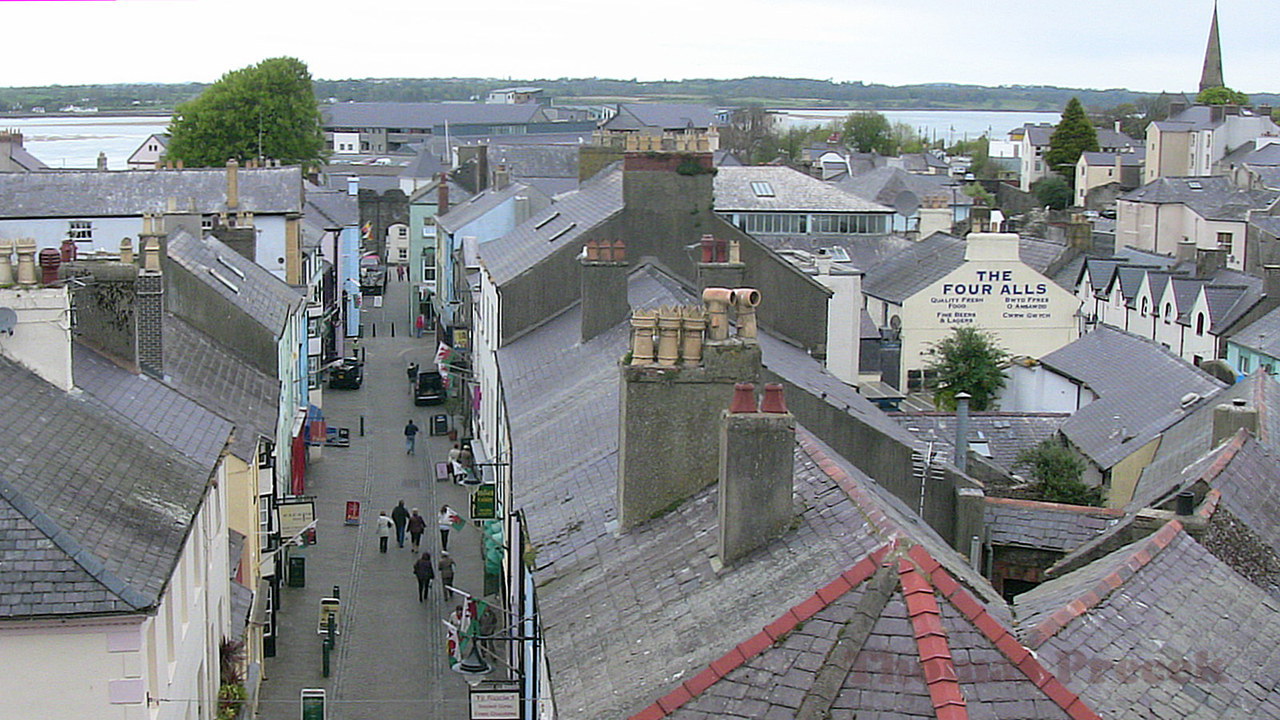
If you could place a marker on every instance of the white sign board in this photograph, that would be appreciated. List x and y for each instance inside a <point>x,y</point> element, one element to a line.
<point>495,704</point>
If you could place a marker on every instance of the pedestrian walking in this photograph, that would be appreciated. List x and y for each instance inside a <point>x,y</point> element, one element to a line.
<point>423,571</point>
<point>446,572</point>
<point>410,436</point>
<point>400,273</point>
<point>449,519</point>
<point>412,373</point>
<point>420,325</point>
<point>384,530</point>
<point>466,464</point>
<point>417,526</point>
<point>400,516</point>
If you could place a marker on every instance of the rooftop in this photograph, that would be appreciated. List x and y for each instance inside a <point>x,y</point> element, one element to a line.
<point>766,188</point>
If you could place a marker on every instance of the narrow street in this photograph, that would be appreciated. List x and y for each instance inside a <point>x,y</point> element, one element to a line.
<point>390,660</point>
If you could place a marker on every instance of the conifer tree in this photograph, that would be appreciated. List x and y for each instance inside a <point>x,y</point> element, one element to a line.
<point>1073,136</point>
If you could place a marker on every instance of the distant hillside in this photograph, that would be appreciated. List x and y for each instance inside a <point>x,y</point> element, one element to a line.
<point>753,90</point>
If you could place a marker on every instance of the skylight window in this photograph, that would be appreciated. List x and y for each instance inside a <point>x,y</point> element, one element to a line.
<point>762,188</point>
<point>543,223</point>
<point>563,232</point>
<point>838,254</point>
<point>223,261</point>
<point>222,279</point>
<point>1195,185</point>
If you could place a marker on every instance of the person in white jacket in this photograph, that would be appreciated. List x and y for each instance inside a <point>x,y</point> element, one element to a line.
<point>448,518</point>
<point>385,525</point>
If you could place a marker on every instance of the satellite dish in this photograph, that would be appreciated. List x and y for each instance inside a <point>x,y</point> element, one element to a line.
<point>906,203</point>
<point>8,320</point>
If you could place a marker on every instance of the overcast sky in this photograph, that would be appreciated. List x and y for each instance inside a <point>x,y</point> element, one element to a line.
<point>1146,46</point>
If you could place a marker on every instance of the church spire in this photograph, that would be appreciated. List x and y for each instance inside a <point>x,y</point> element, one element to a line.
<point>1211,75</point>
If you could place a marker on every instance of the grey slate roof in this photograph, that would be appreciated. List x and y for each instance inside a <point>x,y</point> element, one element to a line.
<point>915,268</point>
<point>155,407</point>
<point>262,296</point>
<point>478,205</point>
<point>1132,407</point>
<point>211,375</point>
<point>95,508</point>
<point>1045,525</point>
<point>865,251</point>
<point>622,614</point>
<point>25,159</point>
<point>1039,133</point>
<point>569,216</point>
<point>426,164</point>
<point>793,192</point>
<point>100,193</point>
<point>1006,435</point>
<point>1216,199</point>
<point>331,208</point>
<point>1177,635</point>
<point>425,115</point>
<point>1108,159</point>
<point>664,116</point>
<point>883,185</point>
<point>527,160</point>
<point>1261,335</point>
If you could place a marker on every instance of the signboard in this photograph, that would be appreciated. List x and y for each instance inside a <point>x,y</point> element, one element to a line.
<point>312,702</point>
<point>460,338</point>
<point>353,512</point>
<point>489,704</point>
<point>484,503</point>
<point>329,607</point>
<point>295,517</point>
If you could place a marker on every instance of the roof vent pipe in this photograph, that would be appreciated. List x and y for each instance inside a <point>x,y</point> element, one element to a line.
<point>1186,503</point>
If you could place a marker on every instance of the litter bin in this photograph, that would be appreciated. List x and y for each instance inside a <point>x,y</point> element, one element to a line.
<point>297,571</point>
<point>440,424</point>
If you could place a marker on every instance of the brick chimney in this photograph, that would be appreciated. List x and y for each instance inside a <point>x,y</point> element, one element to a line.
<point>721,263</point>
<point>442,195</point>
<point>1210,260</point>
<point>1227,419</point>
<point>756,471</point>
<point>233,184</point>
<point>149,289</point>
<point>604,286</point>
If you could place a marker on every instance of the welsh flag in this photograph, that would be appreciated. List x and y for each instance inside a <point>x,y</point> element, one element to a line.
<point>443,354</point>
<point>465,624</point>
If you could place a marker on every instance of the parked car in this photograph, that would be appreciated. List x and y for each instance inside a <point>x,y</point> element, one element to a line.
<point>430,390</point>
<point>348,375</point>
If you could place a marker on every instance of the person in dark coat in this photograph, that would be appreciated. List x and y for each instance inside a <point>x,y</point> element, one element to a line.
<point>400,516</point>
<point>410,436</point>
<point>417,526</point>
<point>424,572</point>
<point>446,573</point>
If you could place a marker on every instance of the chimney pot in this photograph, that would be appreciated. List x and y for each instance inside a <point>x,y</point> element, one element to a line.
<point>6,263</point>
<point>126,251</point>
<point>774,401</point>
<point>26,262</point>
<point>50,259</point>
<point>744,399</point>
<point>68,250</point>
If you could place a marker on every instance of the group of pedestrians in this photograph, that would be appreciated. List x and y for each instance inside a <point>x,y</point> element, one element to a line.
<point>402,521</point>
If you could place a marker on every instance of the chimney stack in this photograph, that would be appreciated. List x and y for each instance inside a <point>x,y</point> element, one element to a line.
<point>442,195</point>
<point>604,286</point>
<point>501,177</point>
<point>721,264</point>
<point>149,289</point>
<point>1271,284</point>
<point>1209,261</point>
<point>962,431</point>
<point>1227,419</point>
<point>26,262</point>
<point>1185,251</point>
<point>102,161</point>
<point>6,263</point>
<point>233,184</point>
<point>756,470</point>
<point>126,251</point>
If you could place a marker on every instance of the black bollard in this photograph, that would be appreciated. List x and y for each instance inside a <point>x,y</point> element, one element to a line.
<point>337,591</point>
<point>393,329</point>
<point>361,426</point>
<point>375,329</point>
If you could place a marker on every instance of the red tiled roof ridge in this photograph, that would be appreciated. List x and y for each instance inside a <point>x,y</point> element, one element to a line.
<point>1006,642</point>
<point>1082,509</point>
<point>773,632</point>
<point>1137,560</point>
<point>860,496</point>
<point>1210,503</point>
<point>931,643</point>
<point>1226,453</point>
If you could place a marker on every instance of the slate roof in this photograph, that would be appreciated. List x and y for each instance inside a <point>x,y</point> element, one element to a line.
<point>555,226</point>
<point>793,191</point>
<point>883,185</point>
<point>1157,629</point>
<point>1108,159</point>
<point>211,375</point>
<point>1005,435</point>
<point>1132,407</point>
<point>262,296</point>
<point>425,115</point>
<point>24,159</point>
<point>95,509</point>
<point>1108,138</point>
<point>331,208</point>
<point>1039,133</point>
<point>865,251</point>
<point>426,164</point>
<point>1045,525</point>
<point>1216,199</point>
<point>541,160</point>
<point>1261,335</point>
<point>925,262</point>
<point>666,116</point>
<point>102,193</point>
<point>648,604</point>
<point>475,207</point>
<point>151,404</point>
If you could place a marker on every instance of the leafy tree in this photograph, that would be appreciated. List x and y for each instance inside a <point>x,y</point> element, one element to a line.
<point>1221,96</point>
<point>968,360</point>
<point>1073,136</point>
<point>870,132</point>
<point>906,139</point>
<point>1052,191</point>
<point>266,110</point>
<point>1057,470</point>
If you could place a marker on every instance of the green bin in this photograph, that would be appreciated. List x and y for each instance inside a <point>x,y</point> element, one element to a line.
<point>297,572</point>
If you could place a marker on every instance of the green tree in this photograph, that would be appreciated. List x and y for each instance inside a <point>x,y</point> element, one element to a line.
<point>870,132</point>
<point>1073,136</point>
<point>1057,471</point>
<point>1052,191</point>
<point>266,110</point>
<point>968,360</point>
<point>1221,96</point>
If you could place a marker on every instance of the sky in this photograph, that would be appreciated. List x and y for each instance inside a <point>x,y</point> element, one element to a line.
<point>1144,46</point>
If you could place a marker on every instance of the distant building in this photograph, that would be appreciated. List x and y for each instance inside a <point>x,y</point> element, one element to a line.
<point>659,119</point>
<point>380,127</point>
<point>149,153</point>
<point>14,158</point>
<point>515,96</point>
<point>1194,140</point>
<point>1118,171</point>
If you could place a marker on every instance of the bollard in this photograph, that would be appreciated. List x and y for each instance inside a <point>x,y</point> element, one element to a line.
<point>361,426</point>
<point>337,591</point>
<point>327,649</point>
<point>393,329</point>
<point>375,329</point>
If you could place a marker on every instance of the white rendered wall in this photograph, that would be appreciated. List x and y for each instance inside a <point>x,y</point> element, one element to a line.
<point>41,341</point>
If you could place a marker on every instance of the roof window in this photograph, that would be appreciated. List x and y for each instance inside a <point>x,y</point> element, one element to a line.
<point>762,188</point>
<point>1195,185</point>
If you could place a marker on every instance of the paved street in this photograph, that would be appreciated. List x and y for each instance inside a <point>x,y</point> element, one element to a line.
<point>390,659</point>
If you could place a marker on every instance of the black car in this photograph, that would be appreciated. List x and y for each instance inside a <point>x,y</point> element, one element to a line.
<point>430,390</point>
<point>348,375</point>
